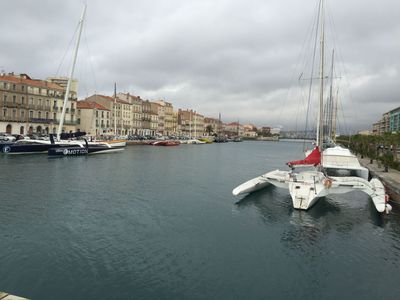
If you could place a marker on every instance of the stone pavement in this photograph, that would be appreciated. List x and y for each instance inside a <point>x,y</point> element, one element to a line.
<point>390,179</point>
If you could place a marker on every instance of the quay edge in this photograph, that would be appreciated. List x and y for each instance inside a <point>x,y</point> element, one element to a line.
<point>390,179</point>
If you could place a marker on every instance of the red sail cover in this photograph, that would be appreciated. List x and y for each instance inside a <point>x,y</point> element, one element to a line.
<point>313,159</point>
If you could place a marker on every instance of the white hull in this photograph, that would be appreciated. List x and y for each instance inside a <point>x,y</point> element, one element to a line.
<point>307,187</point>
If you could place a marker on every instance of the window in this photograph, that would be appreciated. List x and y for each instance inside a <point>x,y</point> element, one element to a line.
<point>14,99</point>
<point>4,112</point>
<point>23,88</point>
<point>54,116</point>
<point>39,114</point>
<point>102,114</point>
<point>47,115</point>
<point>14,87</point>
<point>23,100</point>
<point>31,101</point>
<point>5,85</point>
<point>22,114</point>
<point>5,98</point>
<point>30,114</point>
<point>14,113</point>
<point>97,113</point>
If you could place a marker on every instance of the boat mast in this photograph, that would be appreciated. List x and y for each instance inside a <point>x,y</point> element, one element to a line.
<point>334,115</point>
<point>115,109</point>
<point>330,103</point>
<point>61,124</point>
<point>321,76</point>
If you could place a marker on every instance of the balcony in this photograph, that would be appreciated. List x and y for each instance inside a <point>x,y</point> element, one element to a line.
<point>40,120</point>
<point>12,119</point>
<point>10,104</point>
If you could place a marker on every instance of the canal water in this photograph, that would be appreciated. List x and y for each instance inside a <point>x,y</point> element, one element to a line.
<point>161,223</point>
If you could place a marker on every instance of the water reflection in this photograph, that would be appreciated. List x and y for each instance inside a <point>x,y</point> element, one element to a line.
<point>271,204</point>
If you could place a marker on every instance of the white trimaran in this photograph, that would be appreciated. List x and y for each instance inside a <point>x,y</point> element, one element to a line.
<point>308,185</point>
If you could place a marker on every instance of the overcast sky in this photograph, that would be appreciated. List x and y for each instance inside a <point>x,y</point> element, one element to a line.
<point>242,58</point>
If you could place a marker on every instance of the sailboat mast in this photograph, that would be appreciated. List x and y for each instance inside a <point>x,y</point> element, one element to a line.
<point>334,115</point>
<point>71,74</point>
<point>330,103</point>
<point>115,109</point>
<point>321,92</point>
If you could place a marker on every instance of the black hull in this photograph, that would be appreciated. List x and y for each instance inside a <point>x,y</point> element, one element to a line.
<point>81,151</point>
<point>29,148</point>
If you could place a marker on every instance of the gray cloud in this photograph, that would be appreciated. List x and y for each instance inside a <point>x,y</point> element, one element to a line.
<point>241,58</point>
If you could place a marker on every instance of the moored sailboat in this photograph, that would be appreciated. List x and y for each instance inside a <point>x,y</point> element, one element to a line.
<point>308,185</point>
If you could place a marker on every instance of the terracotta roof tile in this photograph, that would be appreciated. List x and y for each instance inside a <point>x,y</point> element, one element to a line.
<point>31,82</point>
<point>112,99</point>
<point>90,105</point>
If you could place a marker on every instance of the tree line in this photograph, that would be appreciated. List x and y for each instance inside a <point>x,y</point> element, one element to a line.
<point>383,148</point>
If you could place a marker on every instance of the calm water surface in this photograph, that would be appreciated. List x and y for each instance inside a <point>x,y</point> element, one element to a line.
<point>161,223</point>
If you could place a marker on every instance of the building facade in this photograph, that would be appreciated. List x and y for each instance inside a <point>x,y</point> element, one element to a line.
<point>390,122</point>
<point>234,129</point>
<point>166,116</point>
<point>94,119</point>
<point>34,106</point>
<point>121,113</point>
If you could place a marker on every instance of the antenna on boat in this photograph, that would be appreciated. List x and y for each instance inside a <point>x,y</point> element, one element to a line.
<point>71,74</point>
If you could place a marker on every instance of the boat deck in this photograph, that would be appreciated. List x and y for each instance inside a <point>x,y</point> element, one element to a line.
<point>6,296</point>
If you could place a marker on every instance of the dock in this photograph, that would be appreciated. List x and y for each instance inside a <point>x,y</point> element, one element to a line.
<point>390,179</point>
<point>6,296</point>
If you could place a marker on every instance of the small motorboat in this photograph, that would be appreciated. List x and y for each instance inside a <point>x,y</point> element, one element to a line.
<point>166,143</point>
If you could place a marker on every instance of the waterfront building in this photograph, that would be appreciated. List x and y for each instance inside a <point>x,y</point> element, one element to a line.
<point>63,81</point>
<point>390,122</point>
<point>198,124</point>
<point>185,122</point>
<point>234,129</point>
<point>137,111</point>
<point>395,120</point>
<point>121,112</point>
<point>146,129</point>
<point>166,118</point>
<point>34,106</point>
<point>154,118</point>
<point>94,119</point>
<point>250,131</point>
<point>175,130</point>
<point>211,125</point>
<point>190,123</point>
<point>161,118</point>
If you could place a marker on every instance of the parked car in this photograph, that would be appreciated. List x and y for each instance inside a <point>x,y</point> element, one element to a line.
<point>6,137</point>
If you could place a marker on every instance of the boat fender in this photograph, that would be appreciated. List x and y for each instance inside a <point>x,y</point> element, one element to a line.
<point>327,183</point>
<point>386,198</point>
<point>388,208</point>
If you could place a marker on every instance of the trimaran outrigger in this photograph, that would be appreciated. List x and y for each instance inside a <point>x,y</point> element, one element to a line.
<point>325,168</point>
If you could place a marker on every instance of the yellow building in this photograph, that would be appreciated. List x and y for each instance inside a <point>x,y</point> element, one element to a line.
<point>121,113</point>
<point>94,118</point>
<point>166,118</point>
